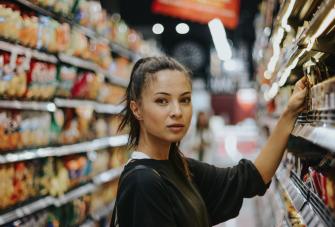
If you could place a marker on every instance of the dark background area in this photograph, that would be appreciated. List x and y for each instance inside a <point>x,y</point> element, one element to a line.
<point>138,15</point>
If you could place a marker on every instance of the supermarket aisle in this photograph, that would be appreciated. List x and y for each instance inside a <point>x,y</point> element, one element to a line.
<point>234,143</point>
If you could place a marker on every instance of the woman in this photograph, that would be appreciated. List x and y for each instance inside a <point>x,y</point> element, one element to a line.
<point>158,186</point>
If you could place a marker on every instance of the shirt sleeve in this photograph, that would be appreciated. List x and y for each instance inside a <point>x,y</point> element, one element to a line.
<point>223,189</point>
<point>143,201</point>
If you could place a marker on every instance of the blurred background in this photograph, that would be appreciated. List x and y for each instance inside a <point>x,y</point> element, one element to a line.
<point>64,68</point>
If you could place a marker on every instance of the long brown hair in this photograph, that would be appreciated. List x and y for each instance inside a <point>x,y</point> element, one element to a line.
<point>142,72</point>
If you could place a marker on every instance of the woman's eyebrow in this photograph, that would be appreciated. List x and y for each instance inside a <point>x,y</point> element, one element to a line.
<point>162,93</point>
<point>168,94</point>
<point>186,93</point>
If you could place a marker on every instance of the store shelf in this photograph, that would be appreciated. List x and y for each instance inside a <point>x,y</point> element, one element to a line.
<point>27,105</point>
<point>43,11</point>
<point>315,202</point>
<point>309,205</point>
<point>124,52</point>
<point>313,29</point>
<point>116,48</point>
<point>103,212</point>
<point>108,176</point>
<point>61,103</point>
<point>83,147</point>
<point>78,62</point>
<point>282,207</point>
<point>297,198</point>
<point>74,194</point>
<point>48,201</point>
<point>97,107</point>
<point>26,210</point>
<point>322,136</point>
<point>118,81</point>
<point>20,50</point>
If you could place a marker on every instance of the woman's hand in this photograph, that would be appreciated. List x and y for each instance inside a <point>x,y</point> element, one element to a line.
<point>296,102</point>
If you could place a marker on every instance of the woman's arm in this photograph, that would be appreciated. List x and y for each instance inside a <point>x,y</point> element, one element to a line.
<point>270,156</point>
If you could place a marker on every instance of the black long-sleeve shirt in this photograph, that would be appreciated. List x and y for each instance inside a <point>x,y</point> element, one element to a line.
<point>146,199</point>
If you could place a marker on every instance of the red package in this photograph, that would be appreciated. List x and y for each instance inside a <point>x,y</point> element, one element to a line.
<point>330,193</point>
<point>86,86</point>
<point>324,188</point>
<point>315,180</point>
<point>42,81</point>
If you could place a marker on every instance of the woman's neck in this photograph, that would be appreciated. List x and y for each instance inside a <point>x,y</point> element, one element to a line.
<point>155,148</point>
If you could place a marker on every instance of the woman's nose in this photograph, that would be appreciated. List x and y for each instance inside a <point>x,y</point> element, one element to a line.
<point>176,110</point>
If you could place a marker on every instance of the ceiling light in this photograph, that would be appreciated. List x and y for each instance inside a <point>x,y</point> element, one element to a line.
<point>220,39</point>
<point>158,29</point>
<point>182,28</point>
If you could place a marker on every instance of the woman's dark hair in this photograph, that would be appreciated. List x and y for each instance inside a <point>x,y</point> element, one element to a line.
<point>142,73</point>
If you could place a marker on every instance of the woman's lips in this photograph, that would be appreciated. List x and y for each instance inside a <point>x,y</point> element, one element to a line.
<point>176,127</point>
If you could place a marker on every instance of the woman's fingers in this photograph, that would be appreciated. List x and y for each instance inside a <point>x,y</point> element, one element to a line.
<point>301,84</point>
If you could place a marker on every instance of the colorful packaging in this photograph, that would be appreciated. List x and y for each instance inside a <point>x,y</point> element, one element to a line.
<point>42,82</point>
<point>9,130</point>
<point>86,86</point>
<point>11,25</point>
<point>66,76</point>
<point>13,79</point>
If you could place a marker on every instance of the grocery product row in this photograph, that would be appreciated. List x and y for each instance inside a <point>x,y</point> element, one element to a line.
<point>26,78</point>
<point>34,129</point>
<point>292,43</point>
<point>292,51</point>
<point>79,27</point>
<point>30,186</point>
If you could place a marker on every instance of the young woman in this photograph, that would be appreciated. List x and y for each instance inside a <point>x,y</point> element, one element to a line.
<point>158,186</point>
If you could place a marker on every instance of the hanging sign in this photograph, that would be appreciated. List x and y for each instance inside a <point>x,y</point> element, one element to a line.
<point>200,10</point>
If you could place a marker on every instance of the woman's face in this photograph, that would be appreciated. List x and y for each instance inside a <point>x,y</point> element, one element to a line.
<point>166,108</point>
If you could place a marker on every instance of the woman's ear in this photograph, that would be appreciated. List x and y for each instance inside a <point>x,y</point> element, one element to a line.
<point>135,108</point>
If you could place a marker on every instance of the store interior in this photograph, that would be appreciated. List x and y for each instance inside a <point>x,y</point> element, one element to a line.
<point>64,69</point>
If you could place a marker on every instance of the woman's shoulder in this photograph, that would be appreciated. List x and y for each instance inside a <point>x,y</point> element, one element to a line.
<point>139,175</point>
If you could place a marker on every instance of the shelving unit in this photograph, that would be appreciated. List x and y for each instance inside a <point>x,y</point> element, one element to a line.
<point>49,201</point>
<point>321,136</point>
<point>64,119</point>
<point>28,105</point>
<point>97,107</point>
<point>26,210</point>
<point>61,103</point>
<point>310,211</point>
<point>83,147</point>
<point>20,50</point>
<point>80,63</point>
<point>116,48</point>
<point>301,43</point>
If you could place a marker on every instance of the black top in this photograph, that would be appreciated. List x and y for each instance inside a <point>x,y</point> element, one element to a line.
<point>168,199</point>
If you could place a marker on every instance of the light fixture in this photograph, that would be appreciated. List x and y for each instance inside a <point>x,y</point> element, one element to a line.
<point>182,28</point>
<point>157,28</point>
<point>273,90</point>
<point>276,53</point>
<point>220,39</point>
<point>288,12</point>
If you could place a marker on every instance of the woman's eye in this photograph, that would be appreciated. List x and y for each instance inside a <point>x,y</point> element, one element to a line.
<point>161,101</point>
<point>186,100</point>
